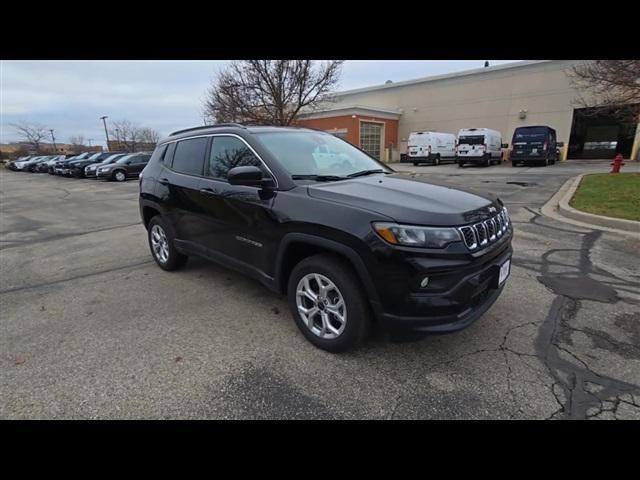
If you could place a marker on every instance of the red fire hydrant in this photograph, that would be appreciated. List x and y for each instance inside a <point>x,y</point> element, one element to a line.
<point>617,163</point>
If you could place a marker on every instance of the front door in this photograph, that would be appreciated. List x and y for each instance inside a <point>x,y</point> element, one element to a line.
<point>137,165</point>
<point>237,219</point>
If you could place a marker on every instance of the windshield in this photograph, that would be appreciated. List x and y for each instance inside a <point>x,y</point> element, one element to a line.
<point>471,140</point>
<point>317,154</point>
<point>112,158</point>
<point>94,156</point>
<point>534,134</point>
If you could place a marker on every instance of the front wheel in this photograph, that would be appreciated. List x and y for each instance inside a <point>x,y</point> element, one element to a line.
<point>119,176</point>
<point>415,164</point>
<point>460,164</point>
<point>161,245</point>
<point>436,160</point>
<point>487,161</point>
<point>327,303</point>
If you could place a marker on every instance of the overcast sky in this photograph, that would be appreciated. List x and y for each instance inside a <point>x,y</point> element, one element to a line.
<point>71,96</point>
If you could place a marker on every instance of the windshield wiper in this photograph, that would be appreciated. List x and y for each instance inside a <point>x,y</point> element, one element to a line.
<point>319,178</point>
<point>366,172</point>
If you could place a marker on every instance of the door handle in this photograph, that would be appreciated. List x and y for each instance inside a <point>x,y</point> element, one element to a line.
<point>208,192</point>
<point>163,181</point>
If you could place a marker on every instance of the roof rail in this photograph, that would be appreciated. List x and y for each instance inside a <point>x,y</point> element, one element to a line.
<point>207,126</point>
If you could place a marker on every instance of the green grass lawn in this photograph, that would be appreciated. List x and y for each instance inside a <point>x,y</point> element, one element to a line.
<point>609,195</point>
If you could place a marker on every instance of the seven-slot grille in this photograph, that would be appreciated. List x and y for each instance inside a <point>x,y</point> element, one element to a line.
<point>480,235</point>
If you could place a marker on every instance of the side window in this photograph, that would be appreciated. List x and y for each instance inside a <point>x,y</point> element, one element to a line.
<point>189,155</point>
<point>158,154</point>
<point>227,153</point>
<point>168,156</point>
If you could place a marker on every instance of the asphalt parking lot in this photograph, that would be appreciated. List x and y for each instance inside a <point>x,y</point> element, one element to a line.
<point>92,328</point>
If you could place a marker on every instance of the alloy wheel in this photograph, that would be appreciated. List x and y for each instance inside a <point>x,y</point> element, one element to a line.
<point>321,306</point>
<point>120,176</point>
<point>159,244</point>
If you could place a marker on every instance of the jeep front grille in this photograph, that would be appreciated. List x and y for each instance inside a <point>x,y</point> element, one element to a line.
<point>480,235</point>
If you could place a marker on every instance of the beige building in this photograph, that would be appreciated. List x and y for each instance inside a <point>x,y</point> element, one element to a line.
<point>502,97</point>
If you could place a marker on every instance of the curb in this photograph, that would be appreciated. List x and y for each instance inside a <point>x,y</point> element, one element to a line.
<point>558,207</point>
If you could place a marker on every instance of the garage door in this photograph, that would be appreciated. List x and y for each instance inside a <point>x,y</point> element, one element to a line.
<point>371,138</point>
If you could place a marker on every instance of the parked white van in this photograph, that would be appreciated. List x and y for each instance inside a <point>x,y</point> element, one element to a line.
<point>432,147</point>
<point>479,145</point>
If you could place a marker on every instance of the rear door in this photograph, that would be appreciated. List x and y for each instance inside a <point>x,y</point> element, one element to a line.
<point>529,141</point>
<point>178,185</point>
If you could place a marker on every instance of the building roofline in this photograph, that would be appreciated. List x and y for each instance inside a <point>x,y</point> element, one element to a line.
<point>350,110</point>
<point>433,78</point>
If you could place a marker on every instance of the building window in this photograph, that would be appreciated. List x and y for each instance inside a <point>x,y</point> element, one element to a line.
<point>371,138</point>
<point>338,133</point>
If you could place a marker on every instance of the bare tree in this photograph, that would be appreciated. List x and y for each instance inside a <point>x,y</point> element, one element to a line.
<point>127,134</point>
<point>149,136</point>
<point>269,91</point>
<point>611,84</point>
<point>32,133</point>
<point>77,143</point>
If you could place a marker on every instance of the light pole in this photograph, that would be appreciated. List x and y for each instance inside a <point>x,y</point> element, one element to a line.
<point>54,141</point>
<point>104,121</point>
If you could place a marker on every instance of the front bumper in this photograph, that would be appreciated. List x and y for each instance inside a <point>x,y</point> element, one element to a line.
<point>470,291</point>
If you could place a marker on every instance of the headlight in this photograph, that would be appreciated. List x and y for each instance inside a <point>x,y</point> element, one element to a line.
<point>414,236</point>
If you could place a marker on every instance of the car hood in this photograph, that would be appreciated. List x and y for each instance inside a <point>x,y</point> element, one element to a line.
<point>409,200</point>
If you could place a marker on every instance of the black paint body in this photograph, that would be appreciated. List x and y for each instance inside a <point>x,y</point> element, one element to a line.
<point>263,232</point>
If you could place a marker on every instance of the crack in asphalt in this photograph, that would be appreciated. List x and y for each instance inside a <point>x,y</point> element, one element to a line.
<point>69,279</point>
<point>574,377</point>
<point>61,236</point>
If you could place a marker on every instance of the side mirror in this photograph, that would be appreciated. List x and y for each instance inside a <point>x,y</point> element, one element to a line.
<point>559,144</point>
<point>249,176</point>
<point>505,145</point>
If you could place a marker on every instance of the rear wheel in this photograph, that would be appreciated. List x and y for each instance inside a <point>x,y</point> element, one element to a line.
<point>415,164</point>
<point>327,303</point>
<point>460,164</point>
<point>487,161</point>
<point>161,245</point>
<point>436,160</point>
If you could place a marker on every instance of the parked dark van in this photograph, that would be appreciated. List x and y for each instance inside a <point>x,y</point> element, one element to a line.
<point>534,145</point>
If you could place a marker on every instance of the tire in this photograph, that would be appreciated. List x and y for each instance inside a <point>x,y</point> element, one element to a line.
<point>174,259</point>
<point>415,164</point>
<point>119,176</point>
<point>514,164</point>
<point>487,161</point>
<point>436,160</point>
<point>460,164</point>
<point>338,275</point>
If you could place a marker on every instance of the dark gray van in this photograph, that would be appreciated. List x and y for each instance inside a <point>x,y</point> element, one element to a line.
<point>534,144</point>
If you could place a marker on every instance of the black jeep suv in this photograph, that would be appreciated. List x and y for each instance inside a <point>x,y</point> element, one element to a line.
<point>349,240</point>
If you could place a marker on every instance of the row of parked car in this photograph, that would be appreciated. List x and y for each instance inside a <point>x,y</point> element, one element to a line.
<point>117,166</point>
<point>483,146</point>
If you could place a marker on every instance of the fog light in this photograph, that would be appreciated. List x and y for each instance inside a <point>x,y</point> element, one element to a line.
<point>424,282</point>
